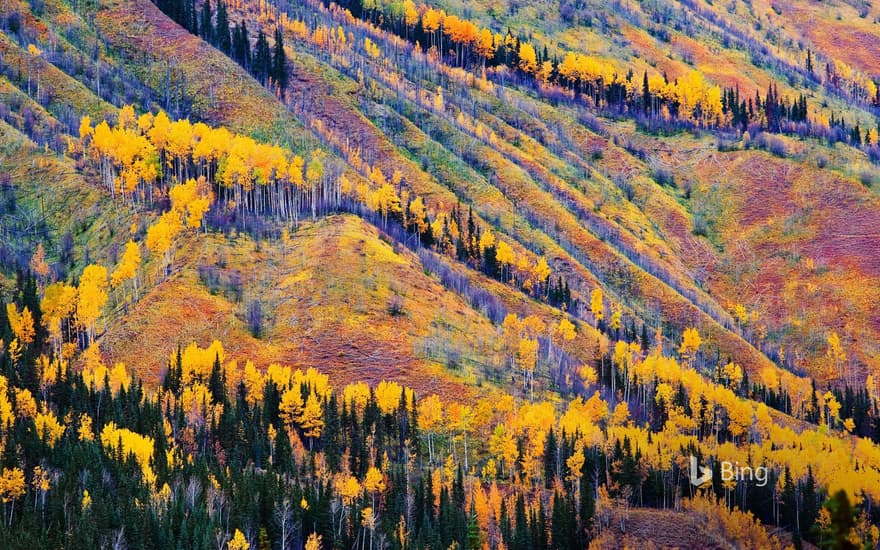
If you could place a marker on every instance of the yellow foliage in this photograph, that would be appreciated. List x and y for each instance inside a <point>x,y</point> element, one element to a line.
<point>588,375</point>
<point>238,542</point>
<point>311,419</point>
<point>388,396</point>
<point>59,301</point>
<point>40,480</point>
<point>374,482</point>
<point>197,362</point>
<point>22,323</point>
<point>6,414</point>
<point>621,414</point>
<point>141,446</point>
<point>92,295</point>
<point>596,306</point>
<point>690,343</point>
<point>48,428</point>
<point>356,395</point>
<point>313,542</point>
<point>527,58</point>
<point>733,373</point>
<point>430,413</point>
<point>128,265</point>
<point>504,254</point>
<point>348,488</point>
<point>25,403</point>
<point>575,463</point>
<point>12,485</point>
<point>85,428</point>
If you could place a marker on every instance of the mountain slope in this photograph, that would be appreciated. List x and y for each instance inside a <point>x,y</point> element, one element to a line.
<point>395,280</point>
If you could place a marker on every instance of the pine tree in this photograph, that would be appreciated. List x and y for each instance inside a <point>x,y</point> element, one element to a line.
<point>550,460</point>
<point>222,39</point>
<point>206,25</point>
<point>262,58</point>
<point>279,61</point>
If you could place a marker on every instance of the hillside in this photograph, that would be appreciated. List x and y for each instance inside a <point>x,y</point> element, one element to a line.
<point>443,274</point>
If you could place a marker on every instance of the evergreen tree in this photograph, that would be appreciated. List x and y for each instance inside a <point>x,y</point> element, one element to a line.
<point>279,61</point>
<point>206,25</point>
<point>262,58</point>
<point>222,39</point>
<point>843,519</point>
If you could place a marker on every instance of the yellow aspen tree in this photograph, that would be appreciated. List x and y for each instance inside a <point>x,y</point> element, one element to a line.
<point>503,447</point>
<point>128,267</point>
<point>544,72</point>
<point>141,446</point>
<point>291,406</point>
<point>348,488</point>
<point>26,404</point>
<point>356,395</point>
<point>126,117</point>
<point>6,413</point>
<point>85,129</point>
<point>374,483</point>
<point>160,239</point>
<point>506,258</point>
<point>48,427</point>
<point>12,487</point>
<point>311,419</point>
<point>690,344</point>
<point>92,298</point>
<point>430,419</point>
<point>620,415</point>
<point>733,375</point>
<point>541,271</point>
<point>487,240</point>
<point>388,396</point>
<point>575,464</point>
<point>835,353</point>
<point>588,375</point>
<point>59,301</point>
<point>596,306</point>
<point>313,542</point>
<point>410,14</point>
<point>528,60</point>
<point>616,317</point>
<point>238,542</point>
<point>85,431</point>
<point>22,324</point>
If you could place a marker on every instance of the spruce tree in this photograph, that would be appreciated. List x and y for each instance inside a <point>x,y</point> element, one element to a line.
<point>279,61</point>
<point>206,25</point>
<point>221,29</point>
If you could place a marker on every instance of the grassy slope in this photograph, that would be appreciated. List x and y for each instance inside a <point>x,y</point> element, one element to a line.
<point>38,180</point>
<point>154,47</point>
<point>325,297</point>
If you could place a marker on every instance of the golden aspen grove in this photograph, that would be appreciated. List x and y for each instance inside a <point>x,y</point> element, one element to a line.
<point>426,274</point>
